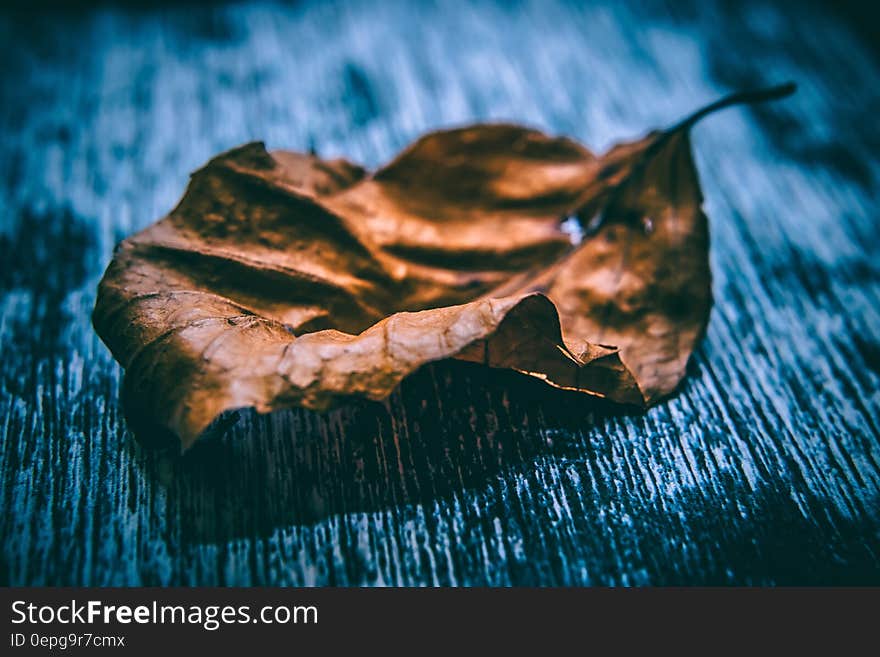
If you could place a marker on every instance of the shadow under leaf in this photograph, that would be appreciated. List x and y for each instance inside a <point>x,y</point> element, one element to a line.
<point>449,427</point>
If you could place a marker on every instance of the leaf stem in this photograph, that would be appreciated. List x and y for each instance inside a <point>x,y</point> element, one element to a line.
<point>662,138</point>
<point>738,98</point>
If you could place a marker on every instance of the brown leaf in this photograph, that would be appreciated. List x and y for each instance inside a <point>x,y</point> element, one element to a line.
<point>282,279</point>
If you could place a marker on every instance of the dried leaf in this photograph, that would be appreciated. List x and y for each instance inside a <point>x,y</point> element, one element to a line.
<point>282,279</point>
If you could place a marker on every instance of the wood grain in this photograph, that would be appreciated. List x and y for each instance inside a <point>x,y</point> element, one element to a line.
<point>765,469</point>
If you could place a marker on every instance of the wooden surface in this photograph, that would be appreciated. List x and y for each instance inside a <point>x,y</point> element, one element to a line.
<point>764,469</point>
